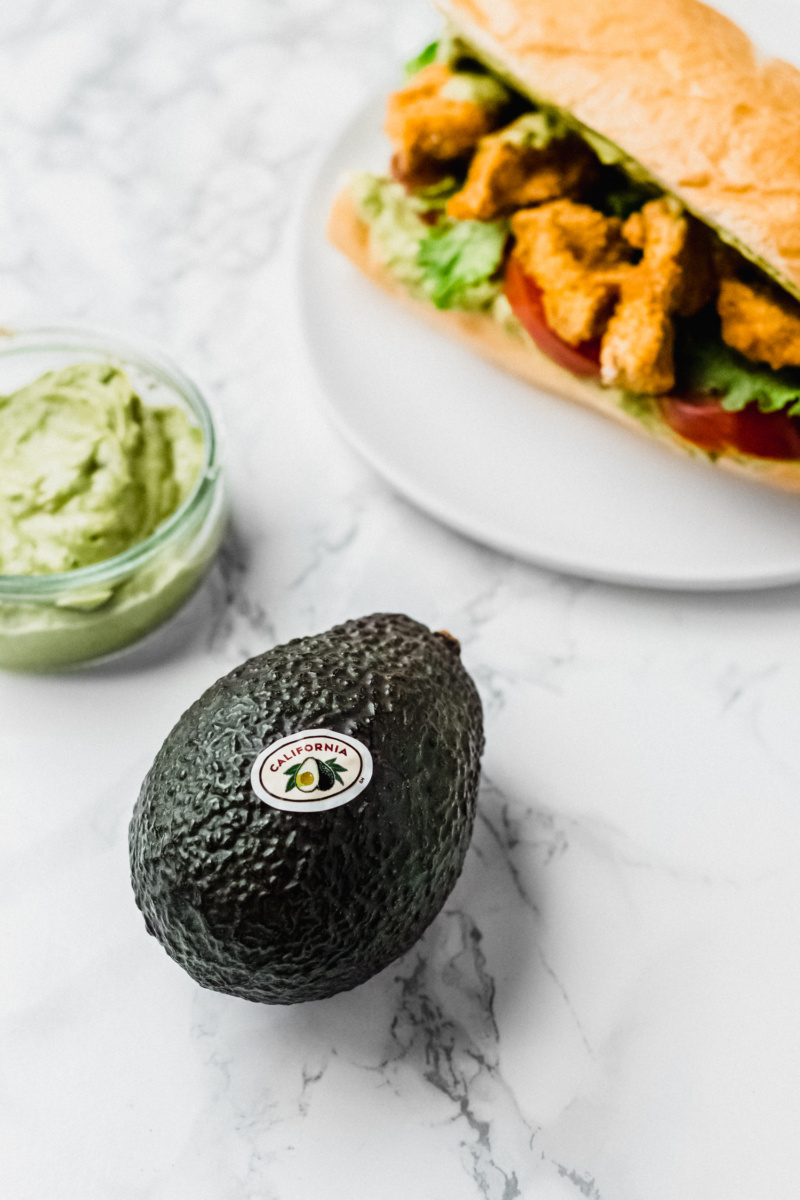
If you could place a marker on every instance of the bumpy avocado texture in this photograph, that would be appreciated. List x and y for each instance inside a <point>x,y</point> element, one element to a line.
<point>281,907</point>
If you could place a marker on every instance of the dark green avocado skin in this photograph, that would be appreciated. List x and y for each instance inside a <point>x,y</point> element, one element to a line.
<point>282,907</point>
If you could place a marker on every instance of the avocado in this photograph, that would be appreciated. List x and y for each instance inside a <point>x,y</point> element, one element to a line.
<point>325,775</point>
<point>292,899</point>
<point>307,777</point>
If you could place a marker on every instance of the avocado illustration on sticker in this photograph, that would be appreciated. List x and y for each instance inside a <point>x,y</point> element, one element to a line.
<point>313,774</point>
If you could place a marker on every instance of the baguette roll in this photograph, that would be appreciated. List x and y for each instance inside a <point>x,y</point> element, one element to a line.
<point>674,96</point>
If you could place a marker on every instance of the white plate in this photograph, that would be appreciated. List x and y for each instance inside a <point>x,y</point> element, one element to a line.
<point>500,461</point>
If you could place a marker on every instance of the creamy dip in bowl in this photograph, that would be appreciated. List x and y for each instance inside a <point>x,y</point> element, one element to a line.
<point>112,501</point>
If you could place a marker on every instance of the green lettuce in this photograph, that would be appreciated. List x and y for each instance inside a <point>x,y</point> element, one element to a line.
<point>450,50</point>
<point>452,263</point>
<point>423,59</point>
<point>458,260</point>
<point>708,365</point>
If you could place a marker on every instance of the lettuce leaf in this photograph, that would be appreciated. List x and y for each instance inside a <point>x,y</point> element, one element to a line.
<point>457,257</point>
<point>452,51</point>
<point>708,365</point>
<point>423,59</point>
<point>452,263</point>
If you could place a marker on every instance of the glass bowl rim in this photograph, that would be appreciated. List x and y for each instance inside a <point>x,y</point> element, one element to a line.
<point>152,360</point>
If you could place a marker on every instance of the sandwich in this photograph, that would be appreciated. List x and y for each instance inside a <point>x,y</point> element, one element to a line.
<point>604,199</point>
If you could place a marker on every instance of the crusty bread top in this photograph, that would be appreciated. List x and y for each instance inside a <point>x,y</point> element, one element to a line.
<point>676,86</point>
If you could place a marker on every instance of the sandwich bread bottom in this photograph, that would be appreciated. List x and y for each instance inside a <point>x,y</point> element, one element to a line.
<point>519,354</point>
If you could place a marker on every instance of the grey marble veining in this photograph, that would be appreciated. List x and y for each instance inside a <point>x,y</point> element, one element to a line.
<point>607,1006</point>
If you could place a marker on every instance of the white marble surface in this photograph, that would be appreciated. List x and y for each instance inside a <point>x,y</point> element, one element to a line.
<point>607,1007</point>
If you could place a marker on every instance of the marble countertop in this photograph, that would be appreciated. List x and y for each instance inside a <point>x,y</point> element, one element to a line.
<point>607,1006</point>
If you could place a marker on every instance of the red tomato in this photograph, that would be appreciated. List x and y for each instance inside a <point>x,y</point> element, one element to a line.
<point>525,297</point>
<point>703,421</point>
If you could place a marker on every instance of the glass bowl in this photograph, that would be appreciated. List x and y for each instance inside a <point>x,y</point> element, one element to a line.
<point>48,622</point>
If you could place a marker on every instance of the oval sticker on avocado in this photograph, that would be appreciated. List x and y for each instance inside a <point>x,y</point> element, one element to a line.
<point>311,771</point>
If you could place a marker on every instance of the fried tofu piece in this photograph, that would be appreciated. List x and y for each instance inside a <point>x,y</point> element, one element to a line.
<point>526,163</point>
<point>676,255</point>
<point>439,116</point>
<point>577,257</point>
<point>760,322</point>
<point>674,277</point>
<point>582,261</point>
<point>637,351</point>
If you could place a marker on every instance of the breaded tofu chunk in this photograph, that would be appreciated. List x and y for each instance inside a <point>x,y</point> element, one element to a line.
<point>674,277</point>
<point>529,162</point>
<point>760,322</point>
<point>637,351</point>
<point>676,254</point>
<point>441,115</point>
<point>577,256</point>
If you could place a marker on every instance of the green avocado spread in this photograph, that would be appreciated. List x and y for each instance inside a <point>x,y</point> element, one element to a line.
<point>87,469</point>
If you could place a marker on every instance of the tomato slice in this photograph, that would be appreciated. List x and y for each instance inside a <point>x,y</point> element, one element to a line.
<point>703,421</point>
<point>527,303</point>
